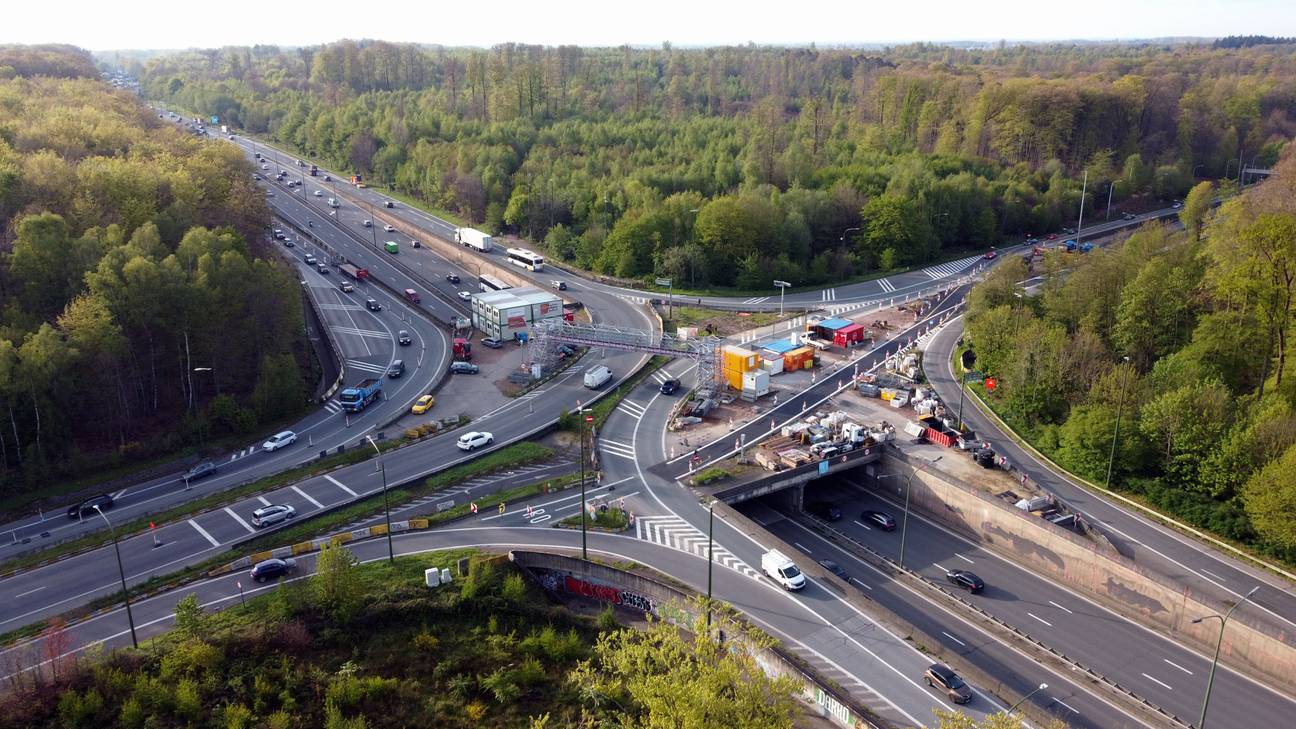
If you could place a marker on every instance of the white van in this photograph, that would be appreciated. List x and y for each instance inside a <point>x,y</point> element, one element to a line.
<point>782,570</point>
<point>596,376</point>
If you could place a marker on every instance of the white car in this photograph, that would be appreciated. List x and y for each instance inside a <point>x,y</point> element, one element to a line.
<point>465,295</point>
<point>279,440</point>
<point>474,440</point>
<point>273,514</point>
<point>388,227</point>
<point>319,193</point>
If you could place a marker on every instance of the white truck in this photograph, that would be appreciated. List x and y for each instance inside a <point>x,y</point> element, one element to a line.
<point>596,376</point>
<point>781,569</point>
<point>333,203</point>
<point>473,238</point>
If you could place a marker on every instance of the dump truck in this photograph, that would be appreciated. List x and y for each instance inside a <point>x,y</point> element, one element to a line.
<point>350,270</point>
<point>354,399</point>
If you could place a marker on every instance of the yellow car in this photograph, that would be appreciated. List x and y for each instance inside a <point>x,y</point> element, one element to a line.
<point>423,404</point>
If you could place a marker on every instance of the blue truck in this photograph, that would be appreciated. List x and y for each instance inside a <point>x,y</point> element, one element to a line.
<point>354,399</point>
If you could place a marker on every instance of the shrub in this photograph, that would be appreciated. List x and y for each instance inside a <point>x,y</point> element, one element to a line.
<point>710,475</point>
<point>425,642</point>
<point>514,588</point>
<point>475,710</point>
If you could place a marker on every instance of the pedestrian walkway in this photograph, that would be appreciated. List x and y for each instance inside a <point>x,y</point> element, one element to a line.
<point>674,532</point>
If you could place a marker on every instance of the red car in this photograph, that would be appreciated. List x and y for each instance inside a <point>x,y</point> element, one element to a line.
<point>990,255</point>
<point>1052,236</point>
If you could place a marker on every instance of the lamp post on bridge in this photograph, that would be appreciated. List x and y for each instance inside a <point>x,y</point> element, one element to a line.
<point>781,286</point>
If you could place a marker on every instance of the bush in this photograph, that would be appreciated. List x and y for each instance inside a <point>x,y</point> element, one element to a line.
<point>710,475</point>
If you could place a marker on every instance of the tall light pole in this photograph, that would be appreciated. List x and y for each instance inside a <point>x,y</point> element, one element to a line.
<point>1210,679</point>
<point>391,553</point>
<point>710,560</point>
<point>962,389</point>
<point>1038,689</point>
<point>584,418</point>
<point>848,230</point>
<point>781,286</point>
<point>1120,402</point>
<point>1110,187</point>
<point>121,570</point>
<point>1084,189</point>
<point>904,527</point>
<point>669,283</point>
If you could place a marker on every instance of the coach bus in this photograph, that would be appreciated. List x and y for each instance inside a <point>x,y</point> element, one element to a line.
<point>530,260</point>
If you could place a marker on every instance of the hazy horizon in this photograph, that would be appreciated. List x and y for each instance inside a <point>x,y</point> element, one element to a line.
<point>139,25</point>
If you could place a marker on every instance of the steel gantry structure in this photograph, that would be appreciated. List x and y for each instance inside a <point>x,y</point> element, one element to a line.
<point>547,335</point>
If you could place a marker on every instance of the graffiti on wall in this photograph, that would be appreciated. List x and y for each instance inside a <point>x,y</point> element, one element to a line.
<point>605,593</point>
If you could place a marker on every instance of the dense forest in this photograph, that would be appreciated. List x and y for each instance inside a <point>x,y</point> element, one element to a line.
<point>136,316</point>
<point>729,166</point>
<point>1186,336</point>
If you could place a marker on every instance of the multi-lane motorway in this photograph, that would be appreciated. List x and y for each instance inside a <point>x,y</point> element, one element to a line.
<point>826,629</point>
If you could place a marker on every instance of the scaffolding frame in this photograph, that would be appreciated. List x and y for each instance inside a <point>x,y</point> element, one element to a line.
<point>548,334</point>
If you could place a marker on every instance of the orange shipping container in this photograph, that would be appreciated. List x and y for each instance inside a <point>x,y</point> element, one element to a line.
<point>735,361</point>
<point>801,358</point>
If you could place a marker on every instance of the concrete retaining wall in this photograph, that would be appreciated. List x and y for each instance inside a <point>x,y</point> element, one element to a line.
<point>642,594</point>
<point>1114,581</point>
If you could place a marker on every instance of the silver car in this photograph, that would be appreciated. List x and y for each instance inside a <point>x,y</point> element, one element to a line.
<point>273,514</point>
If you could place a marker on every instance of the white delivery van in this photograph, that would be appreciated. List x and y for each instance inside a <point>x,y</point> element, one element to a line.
<point>596,376</point>
<point>782,570</point>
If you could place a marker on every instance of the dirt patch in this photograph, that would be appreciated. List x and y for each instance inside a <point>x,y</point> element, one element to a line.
<point>715,321</point>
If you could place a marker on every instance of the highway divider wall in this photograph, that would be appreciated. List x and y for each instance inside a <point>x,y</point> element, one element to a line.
<point>1260,651</point>
<point>642,594</point>
<point>339,361</point>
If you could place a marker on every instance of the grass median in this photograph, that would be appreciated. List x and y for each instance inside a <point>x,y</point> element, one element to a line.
<point>518,454</point>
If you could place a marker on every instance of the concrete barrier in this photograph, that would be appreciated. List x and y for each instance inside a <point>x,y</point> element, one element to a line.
<point>1261,651</point>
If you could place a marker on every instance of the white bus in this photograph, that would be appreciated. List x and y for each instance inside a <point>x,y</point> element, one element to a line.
<point>490,283</point>
<point>530,260</point>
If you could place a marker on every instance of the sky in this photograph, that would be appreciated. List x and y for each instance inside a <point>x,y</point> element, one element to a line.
<point>166,24</point>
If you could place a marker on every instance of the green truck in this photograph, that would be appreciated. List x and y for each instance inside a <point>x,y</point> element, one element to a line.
<point>391,246</point>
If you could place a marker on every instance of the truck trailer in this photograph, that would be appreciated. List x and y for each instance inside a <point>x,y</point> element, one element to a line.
<point>354,399</point>
<point>473,238</point>
<point>350,270</point>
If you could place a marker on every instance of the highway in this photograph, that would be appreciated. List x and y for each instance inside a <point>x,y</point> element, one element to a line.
<point>879,667</point>
<point>1159,548</point>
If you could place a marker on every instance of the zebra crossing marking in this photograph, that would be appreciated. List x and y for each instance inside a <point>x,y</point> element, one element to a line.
<point>633,409</point>
<point>757,300</point>
<point>366,366</point>
<point>333,406</point>
<point>613,448</point>
<point>829,294</point>
<point>887,286</point>
<point>674,532</point>
<point>950,268</point>
<point>372,334</point>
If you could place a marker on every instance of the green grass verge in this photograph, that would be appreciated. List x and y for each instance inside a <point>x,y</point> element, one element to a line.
<point>710,475</point>
<point>488,504</point>
<point>613,519</point>
<point>309,528</point>
<point>687,316</point>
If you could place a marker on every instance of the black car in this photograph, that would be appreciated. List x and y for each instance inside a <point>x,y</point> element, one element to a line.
<point>938,675</point>
<point>390,204</point>
<point>396,370</point>
<point>834,568</point>
<point>670,386</point>
<point>879,519</point>
<point>273,569</point>
<point>452,278</point>
<point>373,305</point>
<point>965,580</point>
<point>87,507</point>
<point>206,468</point>
<point>824,510</point>
<point>404,338</point>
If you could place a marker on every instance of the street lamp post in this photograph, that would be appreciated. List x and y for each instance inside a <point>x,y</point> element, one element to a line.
<point>669,283</point>
<point>962,390</point>
<point>391,553</point>
<point>1120,403</point>
<point>781,286</point>
<point>121,570</point>
<point>848,230</point>
<point>710,560</point>
<point>1038,689</point>
<point>1210,679</point>
<point>904,526</point>
<point>584,418</point>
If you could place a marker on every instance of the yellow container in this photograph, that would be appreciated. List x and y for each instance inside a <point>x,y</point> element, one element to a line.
<point>734,362</point>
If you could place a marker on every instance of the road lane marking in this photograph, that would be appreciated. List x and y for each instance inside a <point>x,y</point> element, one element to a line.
<point>1162,683</point>
<point>38,589</point>
<point>956,640</point>
<point>1042,620</point>
<point>1059,607</point>
<point>1176,665</point>
<point>1063,703</point>
<point>204,533</point>
<point>307,496</point>
<point>866,526</point>
<point>264,501</point>
<point>117,496</point>
<point>238,519</point>
<point>965,559</point>
<point>939,567</point>
<point>861,584</point>
<point>337,483</point>
<point>1212,574</point>
<point>801,547</point>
